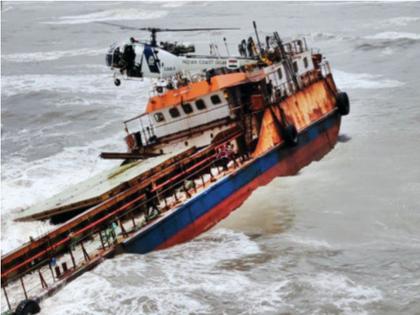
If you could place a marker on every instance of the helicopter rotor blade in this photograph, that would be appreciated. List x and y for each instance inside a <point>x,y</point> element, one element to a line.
<point>196,29</point>
<point>119,25</point>
<point>156,29</point>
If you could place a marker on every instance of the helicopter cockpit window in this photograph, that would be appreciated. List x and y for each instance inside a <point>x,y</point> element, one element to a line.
<point>200,104</point>
<point>187,108</point>
<point>174,112</point>
<point>159,117</point>
<point>215,99</point>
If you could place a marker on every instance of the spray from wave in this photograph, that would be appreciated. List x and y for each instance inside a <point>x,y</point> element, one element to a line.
<point>348,80</point>
<point>388,40</point>
<point>27,182</point>
<point>397,21</point>
<point>51,55</point>
<point>110,15</point>
<point>85,83</point>
<point>173,281</point>
<point>394,36</point>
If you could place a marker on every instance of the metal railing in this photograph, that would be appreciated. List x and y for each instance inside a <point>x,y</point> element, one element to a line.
<point>82,247</point>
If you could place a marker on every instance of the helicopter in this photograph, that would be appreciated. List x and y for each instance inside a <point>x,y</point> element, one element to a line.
<point>148,59</point>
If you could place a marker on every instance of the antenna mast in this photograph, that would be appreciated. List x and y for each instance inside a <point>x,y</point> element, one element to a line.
<point>256,34</point>
<point>226,45</point>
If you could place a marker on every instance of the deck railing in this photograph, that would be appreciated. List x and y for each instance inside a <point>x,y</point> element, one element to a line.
<point>86,246</point>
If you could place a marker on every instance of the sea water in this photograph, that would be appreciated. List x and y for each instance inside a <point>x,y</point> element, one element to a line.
<point>340,237</point>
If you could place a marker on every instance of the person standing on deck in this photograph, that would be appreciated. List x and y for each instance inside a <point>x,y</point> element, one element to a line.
<point>223,156</point>
<point>152,210</point>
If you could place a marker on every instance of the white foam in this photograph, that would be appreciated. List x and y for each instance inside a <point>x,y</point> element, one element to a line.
<point>401,20</point>
<point>342,291</point>
<point>7,8</point>
<point>174,4</point>
<point>110,15</point>
<point>388,51</point>
<point>83,83</point>
<point>164,282</point>
<point>308,242</point>
<point>52,55</point>
<point>25,183</point>
<point>394,36</point>
<point>347,80</point>
<point>328,36</point>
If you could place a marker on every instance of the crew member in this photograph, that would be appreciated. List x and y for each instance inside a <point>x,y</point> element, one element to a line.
<point>128,57</point>
<point>251,47</point>
<point>223,156</point>
<point>242,48</point>
<point>270,90</point>
<point>152,210</point>
<point>231,154</point>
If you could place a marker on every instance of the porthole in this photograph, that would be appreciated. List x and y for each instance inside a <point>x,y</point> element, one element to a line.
<point>295,67</point>
<point>215,99</point>
<point>187,108</point>
<point>159,117</point>
<point>174,112</point>
<point>280,73</point>
<point>200,104</point>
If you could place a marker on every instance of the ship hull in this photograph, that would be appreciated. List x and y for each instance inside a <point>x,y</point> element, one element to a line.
<point>208,208</point>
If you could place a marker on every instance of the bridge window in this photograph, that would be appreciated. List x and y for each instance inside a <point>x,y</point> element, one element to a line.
<point>187,108</point>
<point>215,99</point>
<point>295,66</point>
<point>305,62</point>
<point>280,73</point>
<point>174,112</point>
<point>159,117</point>
<point>200,104</point>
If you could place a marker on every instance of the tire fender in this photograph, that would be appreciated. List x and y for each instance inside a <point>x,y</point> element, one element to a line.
<point>343,103</point>
<point>27,307</point>
<point>291,135</point>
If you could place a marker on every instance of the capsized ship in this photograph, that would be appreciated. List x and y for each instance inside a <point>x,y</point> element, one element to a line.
<point>203,144</point>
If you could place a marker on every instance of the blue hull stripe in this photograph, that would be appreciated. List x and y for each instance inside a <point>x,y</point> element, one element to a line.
<point>147,240</point>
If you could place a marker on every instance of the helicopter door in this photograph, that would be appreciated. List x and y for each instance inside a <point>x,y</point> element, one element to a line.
<point>151,59</point>
<point>129,57</point>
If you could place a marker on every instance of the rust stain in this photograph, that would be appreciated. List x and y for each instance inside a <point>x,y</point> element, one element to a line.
<point>301,109</point>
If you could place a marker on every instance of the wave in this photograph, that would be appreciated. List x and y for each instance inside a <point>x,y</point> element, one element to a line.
<point>329,36</point>
<point>387,40</point>
<point>110,15</point>
<point>341,291</point>
<point>84,83</point>
<point>172,281</point>
<point>52,55</point>
<point>27,182</point>
<point>192,278</point>
<point>400,20</point>
<point>174,4</point>
<point>348,80</point>
<point>394,36</point>
<point>6,8</point>
<point>308,242</point>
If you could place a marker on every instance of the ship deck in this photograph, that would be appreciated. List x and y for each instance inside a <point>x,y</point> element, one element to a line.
<point>92,249</point>
<point>92,191</point>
